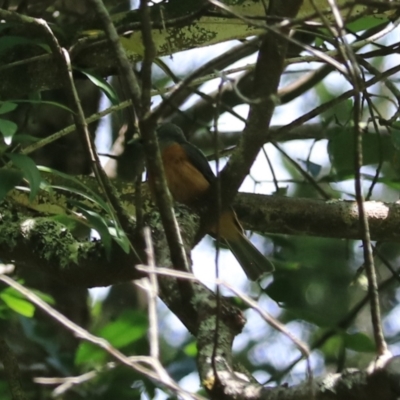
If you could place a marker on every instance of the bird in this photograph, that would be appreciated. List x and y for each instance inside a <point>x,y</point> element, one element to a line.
<point>189,177</point>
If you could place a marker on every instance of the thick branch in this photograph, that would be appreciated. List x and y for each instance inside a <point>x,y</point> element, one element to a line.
<point>42,243</point>
<point>262,213</point>
<point>267,74</point>
<point>333,218</point>
<point>351,384</point>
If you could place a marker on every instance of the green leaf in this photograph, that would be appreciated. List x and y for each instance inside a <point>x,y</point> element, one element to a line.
<point>7,129</point>
<point>22,138</point>
<point>99,224</point>
<point>341,113</point>
<point>8,42</point>
<point>87,192</point>
<point>46,102</point>
<point>107,230</point>
<point>92,197</point>
<point>332,346</point>
<point>191,349</point>
<point>30,171</point>
<point>341,149</point>
<point>367,22</point>
<point>359,342</point>
<point>88,353</point>
<point>103,85</point>
<point>118,234</point>
<point>392,183</point>
<point>128,328</point>
<point>21,306</point>
<point>9,178</point>
<point>6,107</point>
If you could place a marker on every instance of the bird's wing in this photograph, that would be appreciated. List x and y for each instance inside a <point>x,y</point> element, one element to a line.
<point>199,161</point>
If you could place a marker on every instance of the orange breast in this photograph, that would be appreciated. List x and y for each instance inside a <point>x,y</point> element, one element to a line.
<point>185,182</point>
<point>187,185</point>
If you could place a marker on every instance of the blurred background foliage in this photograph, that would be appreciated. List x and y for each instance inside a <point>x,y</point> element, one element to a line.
<point>316,290</point>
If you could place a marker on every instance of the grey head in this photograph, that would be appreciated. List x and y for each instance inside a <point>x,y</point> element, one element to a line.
<point>170,133</point>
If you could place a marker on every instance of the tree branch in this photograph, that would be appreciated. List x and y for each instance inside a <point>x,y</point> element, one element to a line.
<point>24,235</point>
<point>311,217</point>
<point>267,74</point>
<point>28,239</point>
<point>43,73</point>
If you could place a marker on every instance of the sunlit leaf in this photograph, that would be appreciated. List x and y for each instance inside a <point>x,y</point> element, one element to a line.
<point>128,328</point>
<point>191,349</point>
<point>88,353</point>
<point>367,22</point>
<point>21,306</point>
<point>8,129</point>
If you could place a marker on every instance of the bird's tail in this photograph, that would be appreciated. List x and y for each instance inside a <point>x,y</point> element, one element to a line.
<point>254,264</point>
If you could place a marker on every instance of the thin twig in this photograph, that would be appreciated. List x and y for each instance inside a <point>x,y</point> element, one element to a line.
<point>152,294</point>
<point>132,362</point>
<point>147,127</point>
<point>123,63</point>
<point>285,27</point>
<point>337,100</point>
<point>268,71</point>
<point>355,74</point>
<point>343,324</point>
<point>274,323</point>
<point>218,229</point>
<point>303,173</point>
<point>271,168</point>
<point>150,285</point>
<point>67,383</point>
<point>191,80</point>
<point>372,110</point>
<point>303,348</point>
<point>154,162</point>
<point>148,57</point>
